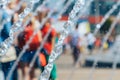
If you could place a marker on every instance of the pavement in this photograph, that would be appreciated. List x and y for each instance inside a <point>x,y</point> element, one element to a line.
<point>67,71</point>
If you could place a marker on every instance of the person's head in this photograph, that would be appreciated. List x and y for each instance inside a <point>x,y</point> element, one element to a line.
<point>11,5</point>
<point>22,8</point>
<point>41,15</point>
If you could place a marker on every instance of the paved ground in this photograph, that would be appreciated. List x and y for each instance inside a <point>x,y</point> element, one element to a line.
<point>84,74</point>
<point>66,72</point>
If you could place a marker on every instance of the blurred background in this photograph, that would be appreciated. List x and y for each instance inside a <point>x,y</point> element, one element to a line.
<point>90,51</point>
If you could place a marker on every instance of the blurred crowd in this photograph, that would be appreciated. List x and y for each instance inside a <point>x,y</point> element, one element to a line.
<point>87,43</point>
<point>9,15</point>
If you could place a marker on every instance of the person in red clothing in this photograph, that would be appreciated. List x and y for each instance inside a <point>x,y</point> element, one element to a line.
<point>49,45</point>
<point>51,38</point>
<point>30,52</point>
<point>98,42</point>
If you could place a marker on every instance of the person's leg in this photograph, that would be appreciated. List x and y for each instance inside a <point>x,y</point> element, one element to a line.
<point>32,74</point>
<point>78,55</point>
<point>6,67</point>
<point>24,63</point>
<point>25,60</point>
<point>27,76</point>
<point>22,68</point>
<point>75,54</point>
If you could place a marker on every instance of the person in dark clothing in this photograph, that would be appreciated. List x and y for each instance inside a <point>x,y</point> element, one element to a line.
<point>75,44</point>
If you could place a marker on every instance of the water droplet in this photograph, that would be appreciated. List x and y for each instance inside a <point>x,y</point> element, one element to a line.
<point>34,1</point>
<point>27,11</point>
<point>98,26</point>
<point>22,15</point>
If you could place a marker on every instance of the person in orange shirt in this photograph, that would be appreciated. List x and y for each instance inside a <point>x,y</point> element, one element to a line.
<point>30,52</point>
<point>48,46</point>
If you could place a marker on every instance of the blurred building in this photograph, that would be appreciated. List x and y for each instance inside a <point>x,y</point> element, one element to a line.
<point>96,12</point>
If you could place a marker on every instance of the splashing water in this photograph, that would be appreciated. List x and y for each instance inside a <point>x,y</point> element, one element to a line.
<point>4,46</point>
<point>4,3</point>
<point>27,44</point>
<point>58,47</point>
<point>45,38</point>
<point>107,15</point>
<point>101,48</point>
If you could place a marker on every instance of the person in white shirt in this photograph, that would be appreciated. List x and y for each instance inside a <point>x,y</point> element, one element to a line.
<point>75,44</point>
<point>90,41</point>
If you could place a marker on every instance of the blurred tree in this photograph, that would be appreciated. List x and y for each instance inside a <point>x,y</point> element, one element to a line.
<point>105,27</point>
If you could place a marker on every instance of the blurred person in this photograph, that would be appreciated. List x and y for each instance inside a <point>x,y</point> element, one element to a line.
<point>8,60</point>
<point>66,44</point>
<point>42,13</point>
<point>90,41</point>
<point>22,8</point>
<point>110,41</point>
<point>6,15</point>
<point>9,9</point>
<point>104,43</point>
<point>6,27</point>
<point>97,42</point>
<point>84,45</point>
<point>30,52</point>
<point>48,46</point>
<point>75,44</point>
<point>105,46</point>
